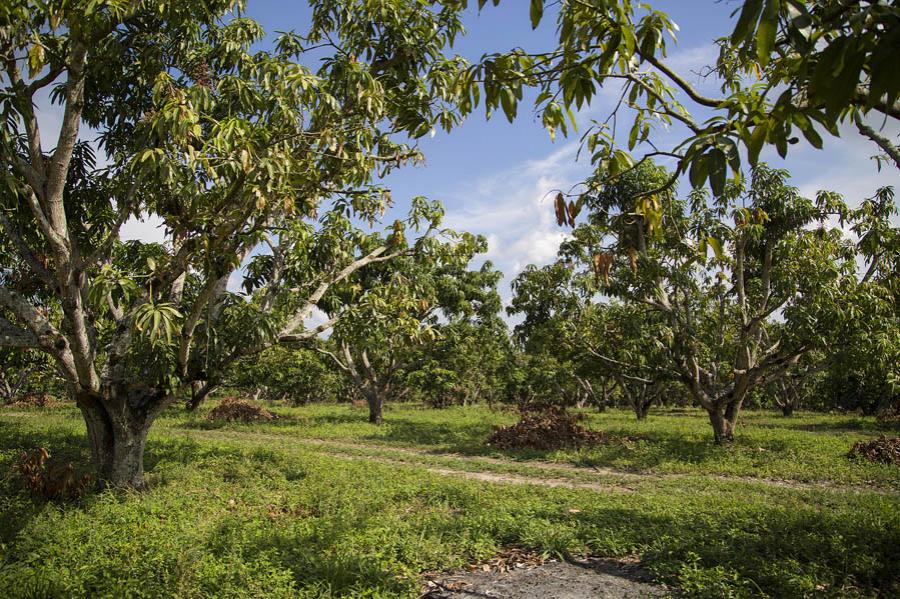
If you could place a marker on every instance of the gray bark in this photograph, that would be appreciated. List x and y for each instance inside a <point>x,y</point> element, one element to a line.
<point>117,425</point>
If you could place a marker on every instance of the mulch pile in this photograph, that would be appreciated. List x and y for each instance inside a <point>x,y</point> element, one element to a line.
<point>547,427</point>
<point>890,414</point>
<point>34,400</point>
<point>883,450</point>
<point>232,409</point>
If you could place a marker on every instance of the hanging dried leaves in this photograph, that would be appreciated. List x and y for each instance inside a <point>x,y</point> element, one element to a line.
<point>561,211</point>
<point>566,213</point>
<point>602,264</point>
<point>632,259</point>
<point>572,213</point>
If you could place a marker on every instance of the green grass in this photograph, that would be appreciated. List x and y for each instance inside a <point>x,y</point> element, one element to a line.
<point>807,448</point>
<point>251,511</point>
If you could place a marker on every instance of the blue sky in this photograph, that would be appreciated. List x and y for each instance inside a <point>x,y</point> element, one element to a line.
<point>494,177</point>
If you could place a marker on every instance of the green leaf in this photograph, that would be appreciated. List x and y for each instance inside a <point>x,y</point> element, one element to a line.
<point>716,246</point>
<point>768,28</point>
<point>755,143</point>
<point>809,132</point>
<point>747,21</point>
<point>699,172</point>
<point>633,135</point>
<point>537,11</point>
<point>509,104</point>
<point>717,171</point>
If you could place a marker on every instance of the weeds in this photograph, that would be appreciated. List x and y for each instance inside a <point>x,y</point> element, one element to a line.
<point>255,515</point>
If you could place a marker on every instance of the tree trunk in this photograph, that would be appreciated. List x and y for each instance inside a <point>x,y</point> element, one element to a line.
<point>376,403</point>
<point>642,408</point>
<point>787,410</point>
<point>117,426</point>
<point>604,396</point>
<point>199,392</point>
<point>723,424</point>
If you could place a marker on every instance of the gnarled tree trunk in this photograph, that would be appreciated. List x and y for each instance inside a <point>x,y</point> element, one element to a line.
<point>117,424</point>
<point>723,427</point>
<point>723,416</point>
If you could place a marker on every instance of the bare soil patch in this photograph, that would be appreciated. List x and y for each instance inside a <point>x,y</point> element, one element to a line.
<point>577,579</point>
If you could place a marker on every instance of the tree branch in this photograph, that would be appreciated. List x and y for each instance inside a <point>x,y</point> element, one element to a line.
<point>13,336</point>
<point>884,143</point>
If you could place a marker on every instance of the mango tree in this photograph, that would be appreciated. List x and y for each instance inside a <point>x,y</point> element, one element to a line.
<point>719,271</point>
<point>399,305</point>
<point>230,148</point>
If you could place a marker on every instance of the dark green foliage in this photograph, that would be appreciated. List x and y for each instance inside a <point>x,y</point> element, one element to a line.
<point>295,375</point>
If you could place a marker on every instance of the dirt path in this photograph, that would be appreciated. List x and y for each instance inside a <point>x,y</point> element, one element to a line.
<point>549,474</point>
<point>497,477</point>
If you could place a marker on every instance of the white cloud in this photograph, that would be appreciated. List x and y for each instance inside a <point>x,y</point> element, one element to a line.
<point>148,229</point>
<point>514,210</point>
<point>843,165</point>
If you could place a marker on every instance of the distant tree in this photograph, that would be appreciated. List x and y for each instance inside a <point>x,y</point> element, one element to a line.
<point>465,364</point>
<point>281,373</point>
<point>629,345</point>
<point>864,368</point>
<point>27,372</point>
<point>397,306</point>
<point>792,391</point>
<point>717,271</point>
<point>557,367</point>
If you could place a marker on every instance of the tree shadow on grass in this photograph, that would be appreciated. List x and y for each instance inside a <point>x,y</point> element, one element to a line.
<point>845,426</point>
<point>468,440</point>
<point>206,424</point>
<point>314,558</point>
<point>647,451</point>
<point>707,548</point>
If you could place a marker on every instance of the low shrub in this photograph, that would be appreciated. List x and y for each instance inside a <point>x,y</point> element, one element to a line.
<point>232,409</point>
<point>34,400</point>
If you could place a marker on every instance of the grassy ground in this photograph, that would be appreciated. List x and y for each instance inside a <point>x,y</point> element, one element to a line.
<point>320,503</point>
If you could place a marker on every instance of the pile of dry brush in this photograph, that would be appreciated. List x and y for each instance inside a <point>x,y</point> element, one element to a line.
<point>47,480</point>
<point>883,450</point>
<point>545,427</point>
<point>232,409</point>
<point>34,400</point>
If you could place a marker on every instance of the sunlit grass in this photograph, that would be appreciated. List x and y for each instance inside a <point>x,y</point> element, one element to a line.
<point>258,513</point>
